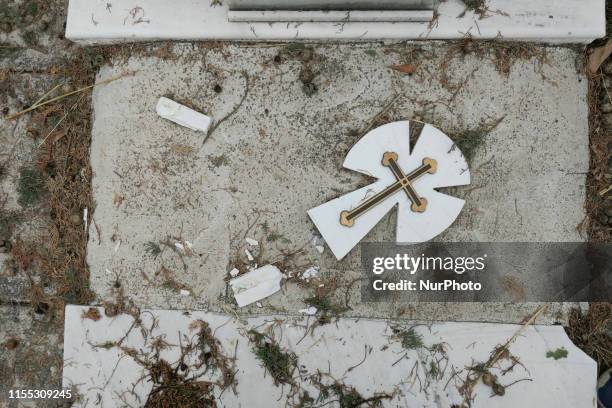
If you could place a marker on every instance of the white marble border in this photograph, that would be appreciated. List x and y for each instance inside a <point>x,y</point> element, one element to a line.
<point>111,21</point>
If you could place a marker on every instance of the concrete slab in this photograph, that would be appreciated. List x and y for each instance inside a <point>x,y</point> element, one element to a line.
<point>371,357</point>
<point>30,355</point>
<point>284,119</point>
<point>566,21</point>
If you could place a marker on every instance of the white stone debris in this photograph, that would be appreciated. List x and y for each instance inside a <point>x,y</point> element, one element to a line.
<point>252,242</point>
<point>317,242</point>
<point>185,292</point>
<point>117,245</point>
<point>259,305</point>
<point>256,285</point>
<point>310,311</point>
<point>182,115</point>
<point>85,218</point>
<point>310,273</point>
<point>179,246</point>
<point>249,255</point>
<point>234,272</point>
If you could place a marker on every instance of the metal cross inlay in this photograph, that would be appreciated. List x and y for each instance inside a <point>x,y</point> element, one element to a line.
<point>404,182</point>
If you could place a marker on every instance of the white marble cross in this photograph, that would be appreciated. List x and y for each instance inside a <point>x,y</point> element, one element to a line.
<point>406,178</point>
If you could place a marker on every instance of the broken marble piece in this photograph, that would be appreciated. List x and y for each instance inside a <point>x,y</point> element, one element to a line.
<point>111,378</point>
<point>310,273</point>
<point>251,241</point>
<point>434,162</point>
<point>182,115</point>
<point>309,311</point>
<point>256,285</point>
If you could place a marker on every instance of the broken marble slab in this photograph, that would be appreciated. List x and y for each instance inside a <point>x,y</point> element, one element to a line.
<point>256,285</point>
<point>368,355</point>
<point>182,115</point>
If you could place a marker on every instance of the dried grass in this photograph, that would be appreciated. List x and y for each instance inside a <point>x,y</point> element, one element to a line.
<point>599,139</point>
<point>591,333</point>
<point>503,54</point>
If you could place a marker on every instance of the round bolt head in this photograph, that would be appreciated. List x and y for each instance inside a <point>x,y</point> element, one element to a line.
<point>432,164</point>
<point>344,219</point>
<point>387,157</point>
<point>420,208</point>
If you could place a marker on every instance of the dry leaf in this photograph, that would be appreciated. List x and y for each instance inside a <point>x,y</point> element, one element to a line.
<point>92,313</point>
<point>598,56</point>
<point>405,68</point>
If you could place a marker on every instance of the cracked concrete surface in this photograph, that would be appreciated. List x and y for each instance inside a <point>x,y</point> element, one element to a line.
<point>294,113</point>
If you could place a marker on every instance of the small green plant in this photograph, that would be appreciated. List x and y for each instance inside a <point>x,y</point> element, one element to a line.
<point>218,161</point>
<point>346,396</point>
<point>371,52</point>
<point>470,140</point>
<point>557,354</point>
<point>325,308</point>
<point>153,249</point>
<point>274,236</point>
<point>31,186</point>
<point>409,338</point>
<point>280,364</point>
<point>475,5</point>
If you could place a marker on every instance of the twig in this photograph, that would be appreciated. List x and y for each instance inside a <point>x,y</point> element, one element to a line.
<point>605,190</point>
<point>379,114</point>
<point>233,112</point>
<point>57,98</point>
<point>470,382</point>
<point>500,351</point>
<point>400,359</point>
<point>61,120</point>
<point>42,98</point>
<point>365,355</point>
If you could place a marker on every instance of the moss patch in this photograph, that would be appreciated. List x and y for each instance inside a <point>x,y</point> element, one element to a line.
<point>470,140</point>
<point>31,186</point>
